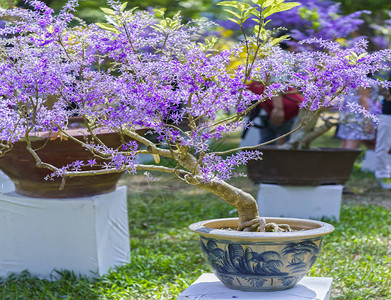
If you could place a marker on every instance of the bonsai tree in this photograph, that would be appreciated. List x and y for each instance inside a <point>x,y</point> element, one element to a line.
<point>147,70</point>
<point>322,19</point>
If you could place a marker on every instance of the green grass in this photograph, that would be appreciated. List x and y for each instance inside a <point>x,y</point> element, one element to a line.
<point>166,259</point>
<point>358,254</point>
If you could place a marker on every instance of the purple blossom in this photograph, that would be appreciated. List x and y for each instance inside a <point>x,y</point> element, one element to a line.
<point>91,162</point>
<point>318,19</point>
<point>76,165</point>
<point>139,76</point>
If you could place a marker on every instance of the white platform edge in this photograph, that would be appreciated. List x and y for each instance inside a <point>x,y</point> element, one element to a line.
<point>208,287</point>
<point>6,184</point>
<point>96,234</point>
<point>309,202</point>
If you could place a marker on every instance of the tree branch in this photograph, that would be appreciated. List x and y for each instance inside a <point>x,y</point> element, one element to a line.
<point>303,123</point>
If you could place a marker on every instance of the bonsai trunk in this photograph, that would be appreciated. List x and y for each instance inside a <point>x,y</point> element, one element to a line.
<point>246,205</point>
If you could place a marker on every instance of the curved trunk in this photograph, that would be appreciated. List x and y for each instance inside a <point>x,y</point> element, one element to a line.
<point>245,203</point>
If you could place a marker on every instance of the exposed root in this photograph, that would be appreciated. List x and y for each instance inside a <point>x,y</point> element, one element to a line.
<point>273,227</point>
<point>253,225</point>
<point>259,225</point>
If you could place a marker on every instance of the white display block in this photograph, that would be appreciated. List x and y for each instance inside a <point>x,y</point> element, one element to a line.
<point>6,184</point>
<point>87,235</point>
<point>369,162</point>
<point>208,287</point>
<point>309,202</point>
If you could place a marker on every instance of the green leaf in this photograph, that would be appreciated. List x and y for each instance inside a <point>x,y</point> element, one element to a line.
<point>232,12</point>
<point>280,39</point>
<point>234,20</point>
<point>279,8</point>
<point>132,9</point>
<point>123,6</point>
<point>362,55</point>
<point>108,27</point>
<point>244,6</point>
<point>256,28</point>
<point>256,1</point>
<point>108,11</point>
<point>263,3</point>
<point>229,3</point>
<point>50,29</point>
<point>159,12</point>
<point>268,3</point>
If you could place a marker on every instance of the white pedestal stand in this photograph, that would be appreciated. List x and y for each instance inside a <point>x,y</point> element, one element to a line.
<point>6,184</point>
<point>309,202</point>
<point>208,287</point>
<point>369,161</point>
<point>87,235</point>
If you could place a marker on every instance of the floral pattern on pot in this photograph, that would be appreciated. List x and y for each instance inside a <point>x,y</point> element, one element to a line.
<point>260,266</point>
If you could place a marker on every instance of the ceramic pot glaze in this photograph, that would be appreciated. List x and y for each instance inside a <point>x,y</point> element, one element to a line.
<point>261,261</point>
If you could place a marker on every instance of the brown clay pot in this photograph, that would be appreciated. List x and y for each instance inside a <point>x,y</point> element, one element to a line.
<point>302,167</point>
<point>29,181</point>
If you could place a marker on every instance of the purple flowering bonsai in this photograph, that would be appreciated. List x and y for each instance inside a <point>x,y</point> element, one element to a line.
<point>146,70</point>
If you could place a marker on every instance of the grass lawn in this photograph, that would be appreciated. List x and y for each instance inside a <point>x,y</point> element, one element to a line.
<point>166,257</point>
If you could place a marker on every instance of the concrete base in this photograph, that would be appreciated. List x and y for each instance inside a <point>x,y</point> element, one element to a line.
<point>208,287</point>
<point>300,201</point>
<point>6,184</point>
<point>87,235</point>
<point>369,162</point>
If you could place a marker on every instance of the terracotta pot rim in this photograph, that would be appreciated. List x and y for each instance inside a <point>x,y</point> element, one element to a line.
<point>313,228</point>
<point>76,132</point>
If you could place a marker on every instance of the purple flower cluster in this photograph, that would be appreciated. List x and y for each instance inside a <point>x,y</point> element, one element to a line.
<point>382,37</point>
<point>214,166</point>
<point>138,73</point>
<point>317,18</point>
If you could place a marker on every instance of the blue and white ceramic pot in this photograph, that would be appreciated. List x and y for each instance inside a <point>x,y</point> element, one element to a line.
<point>261,261</point>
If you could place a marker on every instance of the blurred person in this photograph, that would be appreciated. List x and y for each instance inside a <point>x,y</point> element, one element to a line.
<point>354,128</point>
<point>277,114</point>
<point>383,141</point>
